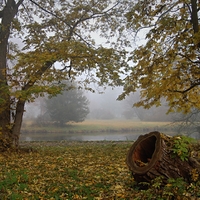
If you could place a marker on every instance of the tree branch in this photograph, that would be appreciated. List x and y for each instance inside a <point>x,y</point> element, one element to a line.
<point>37,75</point>
<point>193,84</point>
<point>164,13</point>
<point>19,3</point>
<point>67,66</point>
<point>184,56</point>
<point>69,25</point>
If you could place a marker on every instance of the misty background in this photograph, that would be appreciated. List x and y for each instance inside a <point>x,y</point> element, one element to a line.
<point>103,105</point>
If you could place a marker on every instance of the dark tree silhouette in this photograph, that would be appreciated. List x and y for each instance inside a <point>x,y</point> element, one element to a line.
<point>72,105</point>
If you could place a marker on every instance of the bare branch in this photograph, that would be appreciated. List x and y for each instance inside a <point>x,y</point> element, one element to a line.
<point>162,15</point>
<point>67,66</point>
<point>19,3</point>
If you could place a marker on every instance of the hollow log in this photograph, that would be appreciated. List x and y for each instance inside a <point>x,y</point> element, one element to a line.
<point>150,156</point>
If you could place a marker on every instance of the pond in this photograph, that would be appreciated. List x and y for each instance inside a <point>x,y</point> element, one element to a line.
<point>83,137</point>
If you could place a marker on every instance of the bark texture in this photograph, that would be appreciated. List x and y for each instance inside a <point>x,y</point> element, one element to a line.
<point>151,156</point>
<point>7,15</point>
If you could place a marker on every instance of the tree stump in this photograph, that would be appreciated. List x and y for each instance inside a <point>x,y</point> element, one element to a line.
<point>151,156</point>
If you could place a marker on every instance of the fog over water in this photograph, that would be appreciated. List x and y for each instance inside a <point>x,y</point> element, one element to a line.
<point>84,137</point>
<point>103,106</point>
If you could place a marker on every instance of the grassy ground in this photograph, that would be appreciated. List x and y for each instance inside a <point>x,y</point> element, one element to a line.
<point>76,171</point>
<point>102,128</point>
<point>98,126</point>
<point>66,171</point>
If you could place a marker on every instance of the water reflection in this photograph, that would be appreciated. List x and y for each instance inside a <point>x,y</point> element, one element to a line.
<point>84,137</point>
<point>96,136</point>
<point>90,137</point>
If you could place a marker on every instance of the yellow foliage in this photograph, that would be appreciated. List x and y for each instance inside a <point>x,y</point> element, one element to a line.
<point>194,175</point>
<point>167,65</point>
<point>69,171</point>
<point>76,170</point>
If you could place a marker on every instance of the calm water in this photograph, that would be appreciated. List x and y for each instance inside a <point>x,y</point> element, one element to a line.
<point>84,137</point>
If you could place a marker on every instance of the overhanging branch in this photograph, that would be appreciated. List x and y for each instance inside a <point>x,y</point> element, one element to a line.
<point>184,56</point>
<point>67,66</point>
<point>38,74</point>
<point>194,84</point>
<point>51,13</point>
<point>82,19</point>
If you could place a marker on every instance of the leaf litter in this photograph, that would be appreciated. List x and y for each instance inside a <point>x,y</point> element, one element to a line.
<point>67,170</point>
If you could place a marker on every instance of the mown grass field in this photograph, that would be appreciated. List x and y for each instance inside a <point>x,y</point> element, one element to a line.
<point>76,171</point>
<point>98,126</point>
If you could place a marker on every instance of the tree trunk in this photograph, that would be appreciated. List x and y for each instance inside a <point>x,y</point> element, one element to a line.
<point>151,156</point>
<point>4,92</point>
<point>7,15</point>
<point>194,16</point>
<point>18,122</point>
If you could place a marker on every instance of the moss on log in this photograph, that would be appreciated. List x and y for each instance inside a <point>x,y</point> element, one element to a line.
<point>151,156</point>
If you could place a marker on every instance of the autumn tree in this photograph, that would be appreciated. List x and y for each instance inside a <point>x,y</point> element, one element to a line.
<point>54,32</point>
<point>152,114</point>
<point>167,64</point>
<point>71,105</point>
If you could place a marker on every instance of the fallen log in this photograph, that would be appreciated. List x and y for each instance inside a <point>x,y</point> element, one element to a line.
<point>152,155</point>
